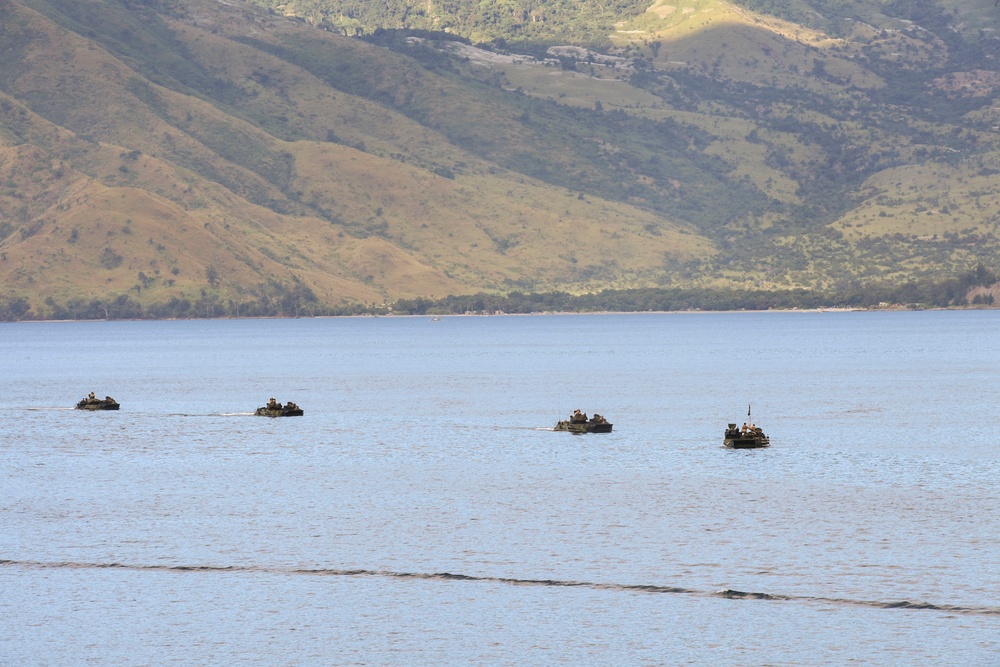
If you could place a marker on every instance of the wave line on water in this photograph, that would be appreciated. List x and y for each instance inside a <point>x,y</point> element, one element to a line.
<point>730,594</point>
<point>896,604</point>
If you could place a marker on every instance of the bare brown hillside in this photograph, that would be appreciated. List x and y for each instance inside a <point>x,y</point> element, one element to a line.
<point>112,184</point>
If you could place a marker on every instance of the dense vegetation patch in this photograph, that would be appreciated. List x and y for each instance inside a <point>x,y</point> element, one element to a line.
<point>943,294</point>
<point>501,21</point>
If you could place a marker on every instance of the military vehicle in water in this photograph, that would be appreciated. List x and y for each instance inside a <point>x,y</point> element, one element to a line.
<point>94,403</point>
<point>578,423</point>
<point>276,409</point>
<point>748,437</point>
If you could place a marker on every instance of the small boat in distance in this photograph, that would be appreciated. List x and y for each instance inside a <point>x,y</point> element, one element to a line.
<point>749,436</point>
<point>276,409</point>
<point>579,423</point>
<point>91,402</point>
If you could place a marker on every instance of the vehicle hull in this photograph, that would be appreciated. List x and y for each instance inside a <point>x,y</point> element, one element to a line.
<point>278,412</point>
<point>584,427</point>
<point>755,442</point>
<point>98,405</point>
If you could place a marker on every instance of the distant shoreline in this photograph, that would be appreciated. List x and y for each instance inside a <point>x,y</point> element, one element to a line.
<point>431,316</point>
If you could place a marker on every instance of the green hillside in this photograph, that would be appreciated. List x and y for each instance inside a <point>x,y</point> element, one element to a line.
<point>190,157</point>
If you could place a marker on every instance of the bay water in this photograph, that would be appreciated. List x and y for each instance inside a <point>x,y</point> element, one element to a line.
<point>424,512</point>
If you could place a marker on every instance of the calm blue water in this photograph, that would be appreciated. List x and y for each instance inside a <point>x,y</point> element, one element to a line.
<point>423,512</point>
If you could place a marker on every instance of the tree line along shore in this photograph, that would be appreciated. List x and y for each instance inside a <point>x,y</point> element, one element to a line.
<point>972,289</point>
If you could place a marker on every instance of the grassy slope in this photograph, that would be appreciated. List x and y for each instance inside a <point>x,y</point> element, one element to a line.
<point>763,56</point>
